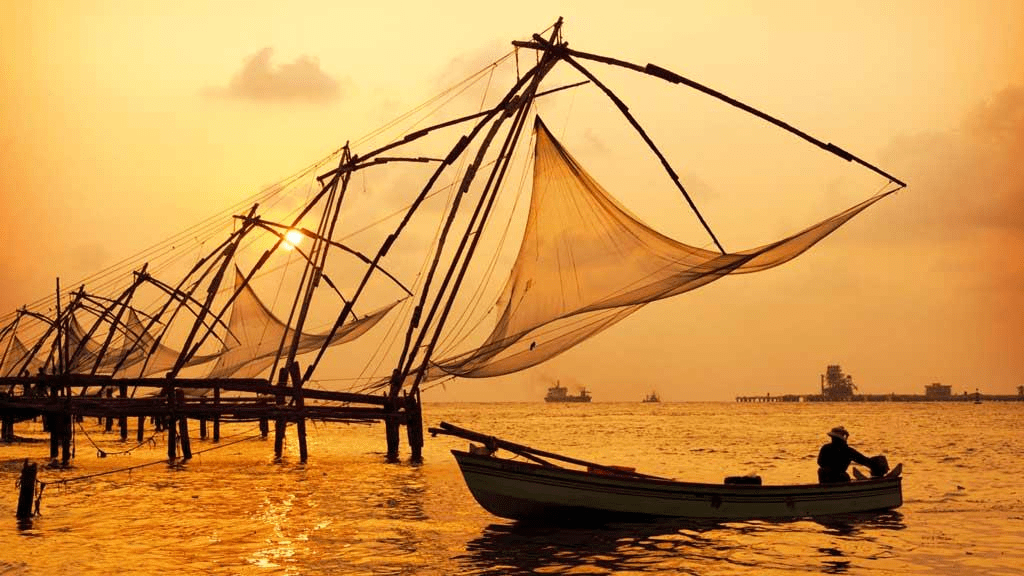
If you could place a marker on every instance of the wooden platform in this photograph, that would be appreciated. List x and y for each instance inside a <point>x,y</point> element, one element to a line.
<point>171,403</point>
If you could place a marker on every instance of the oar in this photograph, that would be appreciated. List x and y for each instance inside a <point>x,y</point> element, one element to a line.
<point>526,451</point>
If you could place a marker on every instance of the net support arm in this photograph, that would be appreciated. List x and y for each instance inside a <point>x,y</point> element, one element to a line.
<point>563,52</point>
<point>668,75</point>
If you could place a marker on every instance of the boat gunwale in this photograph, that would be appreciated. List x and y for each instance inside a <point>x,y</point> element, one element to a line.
<point>851,488</point>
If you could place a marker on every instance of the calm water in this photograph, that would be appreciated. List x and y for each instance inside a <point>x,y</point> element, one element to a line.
<point>234,511</point>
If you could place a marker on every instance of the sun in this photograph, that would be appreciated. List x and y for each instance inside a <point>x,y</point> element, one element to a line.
<point>291,239</point>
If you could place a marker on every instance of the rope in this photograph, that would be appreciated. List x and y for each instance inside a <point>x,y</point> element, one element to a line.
<point>100,453</point>
<point>66,481</point>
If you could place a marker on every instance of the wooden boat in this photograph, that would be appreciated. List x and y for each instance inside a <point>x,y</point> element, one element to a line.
<point>530,490</point>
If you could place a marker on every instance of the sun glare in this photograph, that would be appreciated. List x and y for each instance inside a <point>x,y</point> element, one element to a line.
<point>291,239</point>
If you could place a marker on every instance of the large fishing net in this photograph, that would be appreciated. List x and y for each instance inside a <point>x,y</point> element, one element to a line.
<point>586,263</point>
<point>256,335</point>
<point>16,361</point>
<point>254,339</point>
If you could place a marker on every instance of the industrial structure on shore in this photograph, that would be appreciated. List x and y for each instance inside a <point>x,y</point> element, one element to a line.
<point>837,386</point>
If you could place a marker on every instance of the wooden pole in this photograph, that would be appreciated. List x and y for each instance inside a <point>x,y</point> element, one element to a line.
<point>110,419</point>
<point>202,423</point>
<point>140,432</point>
<point>391,425</point>
<point>54,424</point>
<point>65,439</point>
<point>414,425</point>
<point>216,415</point>
<point>279,422</point>
<point>172,433</point>
<point>186,444</point>
<point>300,422</point>
<point>123,420</point>
<point>28,490</point>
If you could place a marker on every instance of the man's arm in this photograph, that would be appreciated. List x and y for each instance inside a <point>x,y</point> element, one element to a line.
<point>858,457</point>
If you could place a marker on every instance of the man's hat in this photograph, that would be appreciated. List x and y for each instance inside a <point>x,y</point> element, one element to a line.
<point>839,432</point>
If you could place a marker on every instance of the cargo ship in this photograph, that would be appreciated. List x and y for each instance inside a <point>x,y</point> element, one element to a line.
<point>559,393</point>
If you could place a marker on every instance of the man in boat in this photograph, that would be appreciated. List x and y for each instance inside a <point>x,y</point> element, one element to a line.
<point>835,457</point>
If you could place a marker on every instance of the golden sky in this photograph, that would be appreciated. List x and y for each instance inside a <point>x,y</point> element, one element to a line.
<point>122,123</point>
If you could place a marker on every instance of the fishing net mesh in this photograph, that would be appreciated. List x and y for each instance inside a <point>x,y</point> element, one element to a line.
<point>586,263</point>
<point>256,335</point>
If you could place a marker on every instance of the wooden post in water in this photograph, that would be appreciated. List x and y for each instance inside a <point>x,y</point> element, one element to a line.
<point>279,422</point>
<point>414,424</point>
<point>202,422</point>
<point>216,414</point>
<point>110,419</point>
<point>172,433</point>
<point>300,422</point>
<point>52,421</point>
<point>391,425</point>
<point>7,432</point>
<point>66,422</point>
<point>123,420</point>
<point>28,490</point>
<point>186,444</point>
<point>141,431</point>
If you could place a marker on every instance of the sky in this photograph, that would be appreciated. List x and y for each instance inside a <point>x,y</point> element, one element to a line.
<point>123,123</point>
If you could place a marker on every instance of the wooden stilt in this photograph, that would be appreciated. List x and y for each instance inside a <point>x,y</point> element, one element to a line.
<point>65,439</point>
<point>202,423</point>
<point>279,423</point>
<point>110,419</point>
<point>186,444</point>
<point>27,493</point>
<point>391,425</point>
<point>141,431</point>
<point>183,439</point>
<point>123,420</point>
<point>414,425</point>
<point>216,415</point>
<point>172,442</point>
<point>300,422</point>
<point>55,429</point>
<point>7,431</point>
<point>172,433</point>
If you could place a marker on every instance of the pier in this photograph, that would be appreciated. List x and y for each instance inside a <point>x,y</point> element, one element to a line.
<point>61,400</point>
<point>836,386</point>
<point>884,398</point>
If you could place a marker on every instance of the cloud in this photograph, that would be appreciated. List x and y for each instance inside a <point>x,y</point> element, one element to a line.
<point>970,178</point>
<point>301,80</point>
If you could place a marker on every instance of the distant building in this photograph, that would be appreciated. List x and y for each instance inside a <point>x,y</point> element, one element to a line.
<point>836,386</point>
<point>937,390</point>
<point>1020,390</point>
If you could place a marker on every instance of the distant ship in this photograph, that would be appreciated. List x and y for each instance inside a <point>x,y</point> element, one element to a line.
<point>652,397</point>
<point>559,393</point>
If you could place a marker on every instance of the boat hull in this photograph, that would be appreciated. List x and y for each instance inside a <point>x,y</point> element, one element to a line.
<point>522,491</point>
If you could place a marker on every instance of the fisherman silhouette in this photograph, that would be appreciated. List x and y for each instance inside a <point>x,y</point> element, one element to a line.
<point>835,457</point>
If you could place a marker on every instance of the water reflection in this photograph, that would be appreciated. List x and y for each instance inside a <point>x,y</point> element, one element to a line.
<point>679,547</point>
